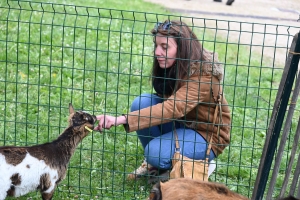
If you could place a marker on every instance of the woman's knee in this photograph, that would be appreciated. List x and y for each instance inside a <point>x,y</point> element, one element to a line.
<point>142,101</point>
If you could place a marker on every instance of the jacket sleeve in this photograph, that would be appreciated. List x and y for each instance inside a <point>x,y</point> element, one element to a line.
<point>190,94</point>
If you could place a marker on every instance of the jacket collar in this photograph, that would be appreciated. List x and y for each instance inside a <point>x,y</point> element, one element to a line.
<point>209,65</point>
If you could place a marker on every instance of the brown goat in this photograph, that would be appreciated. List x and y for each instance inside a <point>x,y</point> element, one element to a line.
<point>190,189</point>
<point>42,167</point>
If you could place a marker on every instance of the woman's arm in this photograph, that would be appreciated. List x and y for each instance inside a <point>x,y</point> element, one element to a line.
<point>186,98</point>
<point>194,91</point>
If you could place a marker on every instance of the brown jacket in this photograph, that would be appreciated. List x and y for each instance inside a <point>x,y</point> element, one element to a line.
<point>193,104</point>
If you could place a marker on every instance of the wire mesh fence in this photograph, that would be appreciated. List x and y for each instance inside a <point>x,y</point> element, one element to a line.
<point>100,60</point>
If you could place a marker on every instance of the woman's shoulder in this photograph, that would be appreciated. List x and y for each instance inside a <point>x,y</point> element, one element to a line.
<point>208,66</point>
<point>198,74</point>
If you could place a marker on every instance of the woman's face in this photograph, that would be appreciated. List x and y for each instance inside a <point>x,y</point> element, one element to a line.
<point>165,50</point>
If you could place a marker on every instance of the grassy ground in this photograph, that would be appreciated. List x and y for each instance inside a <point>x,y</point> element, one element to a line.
<point>100,59</point>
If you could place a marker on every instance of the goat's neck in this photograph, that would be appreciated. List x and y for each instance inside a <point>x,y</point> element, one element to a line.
<point>68,141</point>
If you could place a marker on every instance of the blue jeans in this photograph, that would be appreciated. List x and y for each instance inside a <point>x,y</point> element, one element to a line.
<point>159,143</point>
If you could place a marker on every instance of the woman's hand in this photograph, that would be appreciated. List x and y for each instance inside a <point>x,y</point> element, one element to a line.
<point>106,122</point>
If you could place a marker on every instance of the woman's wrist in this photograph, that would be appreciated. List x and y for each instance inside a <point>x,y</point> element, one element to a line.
<point>121,120</point>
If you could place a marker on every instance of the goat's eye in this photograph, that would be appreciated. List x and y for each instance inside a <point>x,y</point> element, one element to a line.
<point>86,118</point>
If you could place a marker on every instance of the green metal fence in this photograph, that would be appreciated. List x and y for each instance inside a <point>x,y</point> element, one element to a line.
<point>100,60</point>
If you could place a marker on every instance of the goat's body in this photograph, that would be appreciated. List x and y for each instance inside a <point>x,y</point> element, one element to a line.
<point>39,167</point>
<point>42,167</point>
<point>190,189</point>
<point>27,176</point>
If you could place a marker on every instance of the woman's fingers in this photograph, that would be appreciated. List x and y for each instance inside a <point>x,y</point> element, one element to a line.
<point>100,123</point>
<point>108,124</point>
<point>105,122</point>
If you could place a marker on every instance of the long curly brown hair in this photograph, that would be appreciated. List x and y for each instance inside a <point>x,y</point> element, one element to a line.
<point>189,52</point>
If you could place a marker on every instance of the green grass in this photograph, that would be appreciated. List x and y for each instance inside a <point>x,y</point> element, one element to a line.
<point>100,59</point>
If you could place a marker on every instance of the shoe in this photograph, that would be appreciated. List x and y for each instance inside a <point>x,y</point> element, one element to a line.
<point>144,170</point>
<point>218,0</point>
<point>229,2</point>
<point>211,167</point>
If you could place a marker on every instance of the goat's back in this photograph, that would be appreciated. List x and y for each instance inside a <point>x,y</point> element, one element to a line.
<point>25,173</point>
<point>190,189</point>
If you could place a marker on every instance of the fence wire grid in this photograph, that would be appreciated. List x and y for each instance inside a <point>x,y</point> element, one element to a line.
<point>100,60</point>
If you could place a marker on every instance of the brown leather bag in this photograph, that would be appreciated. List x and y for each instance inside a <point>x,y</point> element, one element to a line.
<point>184,167</point>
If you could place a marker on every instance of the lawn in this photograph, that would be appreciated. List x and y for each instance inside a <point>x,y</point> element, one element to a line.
<point>99,58</point>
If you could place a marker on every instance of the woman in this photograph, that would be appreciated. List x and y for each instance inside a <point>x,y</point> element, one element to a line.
<point>186,79</point>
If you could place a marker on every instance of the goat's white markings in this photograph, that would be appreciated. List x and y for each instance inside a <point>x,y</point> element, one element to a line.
<point>30,176</point>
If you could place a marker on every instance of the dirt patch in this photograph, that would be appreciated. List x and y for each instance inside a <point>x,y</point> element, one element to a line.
<point>267,27</point>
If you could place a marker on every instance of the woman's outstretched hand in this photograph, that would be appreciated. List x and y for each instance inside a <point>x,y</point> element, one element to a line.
<point>106,122</point>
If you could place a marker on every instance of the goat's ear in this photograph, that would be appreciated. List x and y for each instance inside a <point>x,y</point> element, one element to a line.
<point>71,109</point>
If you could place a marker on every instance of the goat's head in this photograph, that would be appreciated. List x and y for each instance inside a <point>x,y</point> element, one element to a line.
<point>80,120</point>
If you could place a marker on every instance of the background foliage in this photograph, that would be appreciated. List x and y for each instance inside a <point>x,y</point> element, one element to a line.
<point>99,58</point>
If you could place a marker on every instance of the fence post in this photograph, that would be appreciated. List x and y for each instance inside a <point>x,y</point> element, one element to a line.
<point>285,133</point>
<point>278,113</point>
<point>289,169</point>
